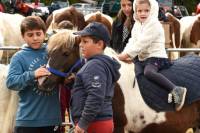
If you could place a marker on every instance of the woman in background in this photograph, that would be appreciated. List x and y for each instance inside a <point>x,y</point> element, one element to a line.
<point>122,25</point>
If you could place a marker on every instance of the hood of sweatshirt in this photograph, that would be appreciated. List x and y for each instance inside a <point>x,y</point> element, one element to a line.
<point>111,63</point>
<point>153,11</point>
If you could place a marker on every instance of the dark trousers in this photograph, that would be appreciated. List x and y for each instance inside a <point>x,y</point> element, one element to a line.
<point>49,129</point>
<point>150,71</point>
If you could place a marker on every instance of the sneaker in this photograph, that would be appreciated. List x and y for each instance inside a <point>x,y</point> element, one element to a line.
<point>179,94</point>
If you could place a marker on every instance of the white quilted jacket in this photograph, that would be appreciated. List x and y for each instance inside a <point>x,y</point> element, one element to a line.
<point>148,39</point>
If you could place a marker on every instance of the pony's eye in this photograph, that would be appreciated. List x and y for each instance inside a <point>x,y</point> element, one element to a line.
<point>66,53</point>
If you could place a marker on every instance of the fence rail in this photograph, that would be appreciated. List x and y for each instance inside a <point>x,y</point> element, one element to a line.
<point>167,49</point>
<point>10,48</point>
<point>6,53</point>
<point>183,49</point>
<point>7,50</point>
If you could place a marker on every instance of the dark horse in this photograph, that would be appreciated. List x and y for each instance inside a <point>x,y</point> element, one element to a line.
<point>131,113</point>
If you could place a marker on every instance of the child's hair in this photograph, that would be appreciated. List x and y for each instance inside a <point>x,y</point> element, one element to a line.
<point>96,39</point>
<point>31,23</point>
<point>139,2</point>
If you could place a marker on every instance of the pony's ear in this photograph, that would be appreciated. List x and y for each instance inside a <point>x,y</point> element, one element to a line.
<point>77,40</point>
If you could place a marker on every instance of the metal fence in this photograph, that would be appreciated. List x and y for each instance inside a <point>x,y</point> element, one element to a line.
<point>9,51</point>
<point>6,53</point>
<point>183,49</point>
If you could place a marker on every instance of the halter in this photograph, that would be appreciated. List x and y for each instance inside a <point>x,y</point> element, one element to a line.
<point>63,74</point>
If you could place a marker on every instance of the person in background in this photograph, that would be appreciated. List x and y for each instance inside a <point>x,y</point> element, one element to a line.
<point>147,48</point>
<point>161,15</point>
<point>91,96</point>
<point>38,111</point>
<point>122,25</point>
<point>198,8</point>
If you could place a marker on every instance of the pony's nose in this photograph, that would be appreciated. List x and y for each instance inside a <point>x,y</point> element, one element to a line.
<point>41,80</point>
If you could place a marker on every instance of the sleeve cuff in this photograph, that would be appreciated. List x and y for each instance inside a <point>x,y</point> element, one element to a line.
<point>83,124</point>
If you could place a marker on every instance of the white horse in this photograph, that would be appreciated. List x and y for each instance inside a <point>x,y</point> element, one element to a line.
<point>8,103</point>
<point>10,34</point>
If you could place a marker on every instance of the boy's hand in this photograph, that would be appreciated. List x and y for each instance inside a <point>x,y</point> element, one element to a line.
<point>78,130</point>
<point>40,72</point>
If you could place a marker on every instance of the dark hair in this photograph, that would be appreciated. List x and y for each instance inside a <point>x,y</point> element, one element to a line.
<point>31,23</point>
<point>96,39</point>
<point>122,17</point>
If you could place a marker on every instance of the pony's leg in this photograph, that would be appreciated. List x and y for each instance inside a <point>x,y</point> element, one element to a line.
<point>119,130</point>
<point>119,116</point>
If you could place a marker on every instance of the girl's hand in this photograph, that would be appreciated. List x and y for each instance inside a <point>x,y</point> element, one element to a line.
<point>125,57</point>
<point>40,72</point>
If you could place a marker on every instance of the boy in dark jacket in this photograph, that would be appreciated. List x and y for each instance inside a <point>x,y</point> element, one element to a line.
<point>91,102</point>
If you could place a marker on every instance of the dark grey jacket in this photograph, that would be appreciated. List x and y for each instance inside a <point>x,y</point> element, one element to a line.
<point>91,97</point>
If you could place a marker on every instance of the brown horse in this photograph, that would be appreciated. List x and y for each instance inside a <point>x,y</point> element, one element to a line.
<point>131,113</point>
<point>101,18</point>
<point>70,14</point>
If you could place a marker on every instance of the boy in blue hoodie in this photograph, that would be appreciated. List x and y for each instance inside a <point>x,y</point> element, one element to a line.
<point>91,101</point>
<point>38,111</point>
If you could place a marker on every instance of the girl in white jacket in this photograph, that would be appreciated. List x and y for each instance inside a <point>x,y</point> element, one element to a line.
<point>147,48</point>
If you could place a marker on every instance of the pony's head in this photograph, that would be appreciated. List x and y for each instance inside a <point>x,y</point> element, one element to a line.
<point>63,51</point>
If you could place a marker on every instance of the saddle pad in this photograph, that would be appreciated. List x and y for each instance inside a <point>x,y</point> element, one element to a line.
<point>185,71</point>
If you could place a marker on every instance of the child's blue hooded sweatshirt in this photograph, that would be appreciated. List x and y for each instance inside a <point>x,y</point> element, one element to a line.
<point>35,108</point>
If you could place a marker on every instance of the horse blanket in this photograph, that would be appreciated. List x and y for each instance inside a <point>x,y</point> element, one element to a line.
<point>184,72</point>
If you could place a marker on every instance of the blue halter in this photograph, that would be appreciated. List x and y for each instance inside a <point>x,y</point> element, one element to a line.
<point>63,74</point>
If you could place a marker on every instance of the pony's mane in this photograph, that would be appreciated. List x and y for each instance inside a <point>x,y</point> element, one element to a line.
<point>63,38</point>
<point>111,53</point>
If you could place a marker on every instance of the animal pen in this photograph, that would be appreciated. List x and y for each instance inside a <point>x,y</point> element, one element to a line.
<point>7,52</point>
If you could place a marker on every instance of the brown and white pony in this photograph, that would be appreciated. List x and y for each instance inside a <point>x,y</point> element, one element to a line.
<point>190,32</point>
<point>172,34</point>
<point>101,18</point>
<point>70,14</point>
<point>174,30</point>
<point>131,113</point>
